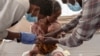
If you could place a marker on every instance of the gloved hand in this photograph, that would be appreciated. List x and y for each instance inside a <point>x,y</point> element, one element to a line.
<point>50,40</point>
<point>28,38</point>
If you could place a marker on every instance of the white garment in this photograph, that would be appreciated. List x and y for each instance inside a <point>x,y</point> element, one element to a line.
<point>25,53</point>
<point>60,49</point>
<point>10,12</point>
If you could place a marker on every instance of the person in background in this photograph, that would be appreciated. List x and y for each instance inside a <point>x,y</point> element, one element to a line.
<point>42,27</point>
<point>11,11</point>
<point>88,24</point>
<point>74,5</point>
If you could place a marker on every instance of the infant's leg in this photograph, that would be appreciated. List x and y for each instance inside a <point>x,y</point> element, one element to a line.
<point>34,51</point>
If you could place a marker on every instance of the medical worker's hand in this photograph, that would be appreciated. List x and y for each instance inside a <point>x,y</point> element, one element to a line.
<point>28,38</point>
<point>54,33</point>
<point>50,40</point>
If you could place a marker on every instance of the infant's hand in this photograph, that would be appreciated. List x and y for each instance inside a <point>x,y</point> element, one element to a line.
<point>40,38</point>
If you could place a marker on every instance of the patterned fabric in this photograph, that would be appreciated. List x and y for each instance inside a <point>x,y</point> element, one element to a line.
<point>87,26</point>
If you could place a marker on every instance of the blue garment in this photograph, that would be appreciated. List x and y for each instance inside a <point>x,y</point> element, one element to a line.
<point>75,7</point>
<point>31,18</point>
<point>28,38</point>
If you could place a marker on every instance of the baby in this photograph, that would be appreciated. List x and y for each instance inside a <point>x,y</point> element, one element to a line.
<point>42,27</point>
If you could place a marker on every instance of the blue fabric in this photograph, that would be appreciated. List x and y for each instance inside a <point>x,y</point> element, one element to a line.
<point>75,7</point>
<point>28,38</point>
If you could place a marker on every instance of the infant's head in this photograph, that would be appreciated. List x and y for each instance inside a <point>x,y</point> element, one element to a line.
<point>45,48</point>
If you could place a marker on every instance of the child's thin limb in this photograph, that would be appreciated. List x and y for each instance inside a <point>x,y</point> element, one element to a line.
<point>34,51</point>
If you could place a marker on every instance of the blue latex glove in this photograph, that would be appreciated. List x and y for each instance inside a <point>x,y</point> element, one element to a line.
<point>28,38</point>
